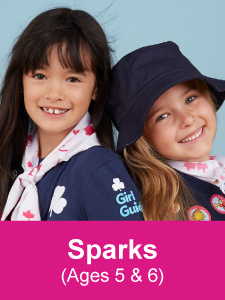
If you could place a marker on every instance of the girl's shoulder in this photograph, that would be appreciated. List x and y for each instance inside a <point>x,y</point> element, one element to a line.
<point>94,158</point>
<point>100,162</point>
<point>96,150</point>
<point>97,156</point>
<point>97,161</point>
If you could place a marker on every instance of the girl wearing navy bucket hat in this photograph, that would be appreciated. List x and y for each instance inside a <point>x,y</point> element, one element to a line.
<point>165,112</point>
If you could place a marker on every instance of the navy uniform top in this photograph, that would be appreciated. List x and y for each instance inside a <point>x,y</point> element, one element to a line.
<point>207,195</point>
<point>92,185</point>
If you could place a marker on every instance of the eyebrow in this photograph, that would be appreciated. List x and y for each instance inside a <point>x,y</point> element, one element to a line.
<point>156,111</point>
<point>66,71</point>
<point>76,72</point>
<point>187,91</point>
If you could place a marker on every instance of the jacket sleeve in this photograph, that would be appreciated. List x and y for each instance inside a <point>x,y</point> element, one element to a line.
<point>112,194</point>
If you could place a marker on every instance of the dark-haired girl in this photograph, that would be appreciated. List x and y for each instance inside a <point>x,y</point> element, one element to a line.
<point>54,128</point>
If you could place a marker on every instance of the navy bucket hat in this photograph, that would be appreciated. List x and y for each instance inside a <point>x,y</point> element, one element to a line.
<point>140,78</point>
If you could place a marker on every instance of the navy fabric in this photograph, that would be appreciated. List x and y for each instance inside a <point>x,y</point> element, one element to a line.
<point>202,192</point>
<point>88,180</point>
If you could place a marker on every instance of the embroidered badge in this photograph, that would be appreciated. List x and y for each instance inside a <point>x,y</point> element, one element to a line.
<point>198,213</point>
<point>218,203</point>
<point>58,203</point>
<point>118,185</point>
<point>175,207</point>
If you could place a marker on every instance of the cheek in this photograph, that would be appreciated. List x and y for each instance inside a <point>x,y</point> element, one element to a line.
<point>210,116</point>
<point>163,140</point>
<point>214,121</point>
<point>160,143</point>
<point>29,102</point>
<point>26,93</point>
<point>157,137</point>
<point>26,100</point>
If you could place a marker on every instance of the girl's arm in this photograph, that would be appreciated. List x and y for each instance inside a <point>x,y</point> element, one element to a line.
<point>112,195</point>
<point>93,185</point>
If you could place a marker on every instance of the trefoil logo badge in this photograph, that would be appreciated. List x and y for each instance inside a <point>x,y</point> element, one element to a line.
<point>118,185</point>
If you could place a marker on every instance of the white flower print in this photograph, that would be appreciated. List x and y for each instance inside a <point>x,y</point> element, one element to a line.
<point>58,203</point>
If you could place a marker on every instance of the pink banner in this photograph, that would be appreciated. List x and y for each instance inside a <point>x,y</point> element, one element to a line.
<point>112,260</point>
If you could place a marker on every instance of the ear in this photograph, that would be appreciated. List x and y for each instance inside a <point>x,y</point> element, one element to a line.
<point>94,94</point>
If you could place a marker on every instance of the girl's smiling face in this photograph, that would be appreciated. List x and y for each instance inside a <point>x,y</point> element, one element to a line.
<point>57,98</point>
<point>181,125</point>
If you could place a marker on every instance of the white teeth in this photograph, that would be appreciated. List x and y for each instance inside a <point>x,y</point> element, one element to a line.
<point>54,111</point>
<point>193,137</point>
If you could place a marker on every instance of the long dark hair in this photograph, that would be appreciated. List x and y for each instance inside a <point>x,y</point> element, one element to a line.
<point>82,36</point>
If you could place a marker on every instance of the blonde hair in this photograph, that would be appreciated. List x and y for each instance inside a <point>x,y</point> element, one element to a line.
<point>162,188</point>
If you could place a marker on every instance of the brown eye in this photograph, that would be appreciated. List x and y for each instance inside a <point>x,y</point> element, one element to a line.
<point>73,79</point>
<point>39,76</point>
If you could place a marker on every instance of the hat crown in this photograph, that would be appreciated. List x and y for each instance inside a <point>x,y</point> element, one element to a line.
<point>142,68</point>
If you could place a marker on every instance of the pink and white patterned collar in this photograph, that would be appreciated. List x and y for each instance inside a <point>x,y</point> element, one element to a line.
<point>210,171</point>
<point>23,196</point>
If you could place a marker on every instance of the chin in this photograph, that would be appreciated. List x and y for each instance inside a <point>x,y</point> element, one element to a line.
<point>199,158</point>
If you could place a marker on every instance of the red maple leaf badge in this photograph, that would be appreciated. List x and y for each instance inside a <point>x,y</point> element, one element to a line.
<point>28,215</point>
<point>29,139</point>
<point>89,130</point>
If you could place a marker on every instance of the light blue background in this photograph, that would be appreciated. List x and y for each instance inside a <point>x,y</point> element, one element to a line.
<point>197,26</point>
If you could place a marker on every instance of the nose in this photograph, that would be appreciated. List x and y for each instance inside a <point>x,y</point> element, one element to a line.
<point>54,91</point>
<point>187,119</point>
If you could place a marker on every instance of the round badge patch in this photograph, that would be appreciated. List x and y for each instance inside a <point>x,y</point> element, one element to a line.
<point>198,213</point>
<point>175,208</point>
<point>218,203</point>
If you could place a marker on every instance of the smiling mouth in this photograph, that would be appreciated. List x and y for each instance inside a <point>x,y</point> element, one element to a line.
<point>54,111</point>
<point>192,137</point>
